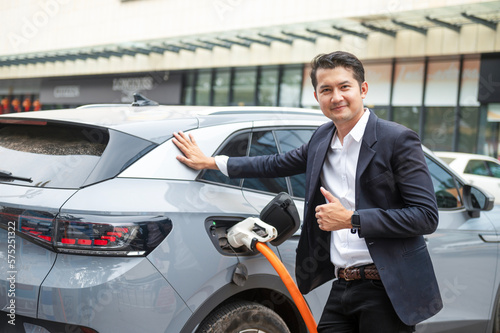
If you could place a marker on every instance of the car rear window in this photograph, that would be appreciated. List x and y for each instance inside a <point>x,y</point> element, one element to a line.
<point>51,140</point>
<point>42,154</point>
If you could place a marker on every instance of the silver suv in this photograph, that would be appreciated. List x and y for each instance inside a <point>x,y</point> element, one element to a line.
<point>103,230</point>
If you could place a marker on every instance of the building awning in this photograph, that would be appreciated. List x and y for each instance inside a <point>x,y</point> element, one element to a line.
<point>419,21</point>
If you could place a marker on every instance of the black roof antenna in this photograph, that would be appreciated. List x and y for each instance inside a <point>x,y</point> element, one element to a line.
<point>140,100</point>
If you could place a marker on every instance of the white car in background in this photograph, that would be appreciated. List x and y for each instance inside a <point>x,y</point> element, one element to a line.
<point>479,170</point>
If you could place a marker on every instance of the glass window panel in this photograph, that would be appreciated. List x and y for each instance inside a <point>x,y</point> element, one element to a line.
<point>439,128</point>
<point>476,167</point>
<point>467,135</point>
<point>408,116</point>
<point>298,185</point>
<point>442,83</point>
<point>263,143</point>
<point>293,138</point>
<point>308,99</point>
<point>291,81</point>
<point>187,97</point>
<point>237,146</point>
<point>378,77</point>
<point>268,87</point>
<point>408,84</point>
<point>489,146</point>
<point>221,87</point>
<point>64,156</point>
<point>448,194</point>
<point>203,85</point>
<point>244,86</point>
<point>470,83</point>
<point>493,114</point>
<point>494,169</point>
<point>290,140</point>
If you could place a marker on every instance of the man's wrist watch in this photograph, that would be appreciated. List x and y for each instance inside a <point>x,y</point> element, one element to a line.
<point>355,221</point>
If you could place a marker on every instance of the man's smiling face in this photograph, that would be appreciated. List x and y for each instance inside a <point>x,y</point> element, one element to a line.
<point>339,95</point>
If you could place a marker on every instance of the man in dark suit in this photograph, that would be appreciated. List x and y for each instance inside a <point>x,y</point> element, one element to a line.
<point>369,201</point>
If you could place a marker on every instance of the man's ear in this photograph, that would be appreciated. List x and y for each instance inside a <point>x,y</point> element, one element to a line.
<point>364,89</point>
<point>316,96</point>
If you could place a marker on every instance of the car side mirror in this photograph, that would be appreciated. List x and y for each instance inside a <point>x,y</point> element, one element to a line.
<point>476,200</point>
<point>282,214</point>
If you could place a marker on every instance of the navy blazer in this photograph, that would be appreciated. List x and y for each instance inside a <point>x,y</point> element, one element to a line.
<point>396,204</point>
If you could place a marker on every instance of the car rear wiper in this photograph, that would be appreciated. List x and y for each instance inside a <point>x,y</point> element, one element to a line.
<point>10,176</point>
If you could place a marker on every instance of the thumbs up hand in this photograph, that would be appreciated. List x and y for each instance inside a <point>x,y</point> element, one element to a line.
<point>332,215</point>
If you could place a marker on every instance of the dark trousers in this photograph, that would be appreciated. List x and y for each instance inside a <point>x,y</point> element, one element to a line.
<point>360,306</point>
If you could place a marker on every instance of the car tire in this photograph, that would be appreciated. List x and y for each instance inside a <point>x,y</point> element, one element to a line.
<point>496,319</point>
<point>243,316</point>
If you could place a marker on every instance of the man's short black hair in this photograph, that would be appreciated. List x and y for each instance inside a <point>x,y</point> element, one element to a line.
<point>335,59</point>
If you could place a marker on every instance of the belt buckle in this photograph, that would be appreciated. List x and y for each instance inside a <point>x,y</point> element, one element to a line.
<point>346,270</point>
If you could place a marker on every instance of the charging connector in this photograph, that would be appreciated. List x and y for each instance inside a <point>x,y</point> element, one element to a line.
<point>250,231</point>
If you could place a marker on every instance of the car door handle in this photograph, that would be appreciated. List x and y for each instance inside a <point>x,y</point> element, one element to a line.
<point>490,238</point>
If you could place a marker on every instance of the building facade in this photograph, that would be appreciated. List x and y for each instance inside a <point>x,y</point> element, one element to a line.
<point>433,66</point>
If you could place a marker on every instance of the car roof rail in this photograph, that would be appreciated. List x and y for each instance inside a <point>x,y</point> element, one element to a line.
<point>140,100</point>
<point>89,106</point>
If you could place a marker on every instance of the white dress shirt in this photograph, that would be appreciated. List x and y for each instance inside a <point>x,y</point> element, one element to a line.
<point>338,176</point>
<point>221,162</point>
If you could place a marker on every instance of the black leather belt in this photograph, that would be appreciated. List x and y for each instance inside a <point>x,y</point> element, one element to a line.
<point>368,272</point>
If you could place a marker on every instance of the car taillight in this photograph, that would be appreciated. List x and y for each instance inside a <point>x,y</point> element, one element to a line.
<point>110,235</point>
<point>38,226</point>
<point>30,224</point>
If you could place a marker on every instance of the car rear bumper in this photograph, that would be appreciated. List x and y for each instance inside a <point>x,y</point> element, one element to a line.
<point>107,294</point>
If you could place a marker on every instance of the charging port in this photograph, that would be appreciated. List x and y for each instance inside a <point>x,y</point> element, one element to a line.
<point>217,228</point>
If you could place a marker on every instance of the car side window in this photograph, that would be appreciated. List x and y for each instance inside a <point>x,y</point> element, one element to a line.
<point>476,167</point>
<point>289,140</point>
<point>237,146</point>
<point>446,188</point>
<point>292,139</point>
<point>263,143</point>
<point>494,169</point>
